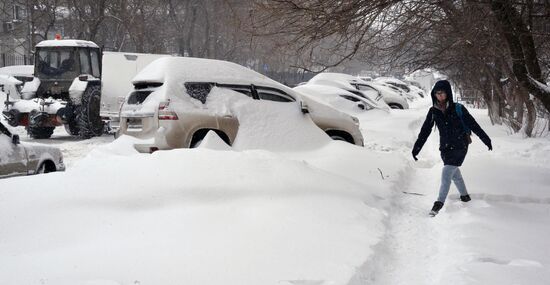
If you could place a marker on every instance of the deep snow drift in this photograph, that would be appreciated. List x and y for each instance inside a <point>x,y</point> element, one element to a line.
<point>330,213</point>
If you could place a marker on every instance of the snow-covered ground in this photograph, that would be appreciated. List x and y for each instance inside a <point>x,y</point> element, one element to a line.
<point>329,214</point>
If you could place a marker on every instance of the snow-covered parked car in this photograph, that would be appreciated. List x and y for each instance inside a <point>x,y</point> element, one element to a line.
<point>10,86</point>
<point>23,73</point>
<point>169,104</point>
<point>339,98</point>
<point>18,158</point>
<point>410,91</point>
<point>362,88</point>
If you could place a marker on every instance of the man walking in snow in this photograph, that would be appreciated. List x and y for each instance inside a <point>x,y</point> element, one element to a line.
<point>455,125</point>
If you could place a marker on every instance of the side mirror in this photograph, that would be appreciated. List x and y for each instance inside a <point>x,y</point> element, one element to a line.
<point>304,108</point>
<point>361,106</point>
<point>15,139</point>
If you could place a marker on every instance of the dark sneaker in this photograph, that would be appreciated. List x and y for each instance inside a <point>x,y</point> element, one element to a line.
<point>465,198</point>
<point>435,209</point>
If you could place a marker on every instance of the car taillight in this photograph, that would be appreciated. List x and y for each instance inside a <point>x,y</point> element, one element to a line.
<point>165,113</point>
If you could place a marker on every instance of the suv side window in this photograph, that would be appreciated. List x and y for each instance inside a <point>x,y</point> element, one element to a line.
<point>198,90</point>
<point>351,98</point>
<point>365,87</point>
<point>273,94</point>
<point>243,89</point>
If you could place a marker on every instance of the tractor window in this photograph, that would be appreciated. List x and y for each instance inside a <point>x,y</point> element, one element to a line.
<point>95,63</point>
<point>84,62</point>
<point>55,62</point>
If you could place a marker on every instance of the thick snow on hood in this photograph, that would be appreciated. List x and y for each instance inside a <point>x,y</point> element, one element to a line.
<point>332,96</point>
<point>18,70</point>
<point>339,80</point>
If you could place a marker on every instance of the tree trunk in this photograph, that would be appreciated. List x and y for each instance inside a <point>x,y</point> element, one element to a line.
<point>520,41</point>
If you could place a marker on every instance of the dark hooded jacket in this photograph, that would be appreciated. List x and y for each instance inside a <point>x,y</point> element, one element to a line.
<point>453,141</point>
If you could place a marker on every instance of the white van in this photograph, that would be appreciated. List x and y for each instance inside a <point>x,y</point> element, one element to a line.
<point>119,68</point>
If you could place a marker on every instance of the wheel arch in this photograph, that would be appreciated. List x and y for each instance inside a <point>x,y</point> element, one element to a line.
<point>346,136</point>
<point>199,134</point>
<point>49,165</point>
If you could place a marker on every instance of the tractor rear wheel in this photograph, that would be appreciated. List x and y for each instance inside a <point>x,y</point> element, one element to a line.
<point>88,119</point>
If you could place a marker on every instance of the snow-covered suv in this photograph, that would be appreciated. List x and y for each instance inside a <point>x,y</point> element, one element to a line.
<point>24,158</point>
<point>168,103</point>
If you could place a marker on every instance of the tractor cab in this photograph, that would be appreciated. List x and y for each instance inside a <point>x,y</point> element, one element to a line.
<point>59,62</point>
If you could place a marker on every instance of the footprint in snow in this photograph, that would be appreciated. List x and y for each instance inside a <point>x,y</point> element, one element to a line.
<point>514,262</point>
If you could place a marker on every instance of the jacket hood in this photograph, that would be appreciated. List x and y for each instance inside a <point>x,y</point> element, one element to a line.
<point>445,86</point>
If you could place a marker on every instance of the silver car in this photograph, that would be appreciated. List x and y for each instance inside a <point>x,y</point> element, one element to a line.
<point>168,104</point>
<point>18,158</point>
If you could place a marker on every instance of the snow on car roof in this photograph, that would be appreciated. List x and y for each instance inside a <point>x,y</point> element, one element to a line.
<point>333,76</point>
<point>321,90</point>
<point>18,70</point>
<point>66,43</point>
<point>390,79</point>
<point>7,79</point>
<point>190,69</point>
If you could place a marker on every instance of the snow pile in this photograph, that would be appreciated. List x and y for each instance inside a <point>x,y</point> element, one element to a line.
<point>26,106</point>
<point>275,126</point>
<point>30,88</point>
<point>18,70</point>
<point>255,217</point>
<point>9,88</point>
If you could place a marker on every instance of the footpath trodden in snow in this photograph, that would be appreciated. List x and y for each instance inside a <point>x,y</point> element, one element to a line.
<point>500,237</point>
<point>334,214</point>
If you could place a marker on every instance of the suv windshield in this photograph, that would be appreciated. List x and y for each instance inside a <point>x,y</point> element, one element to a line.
<point>55,62</point>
